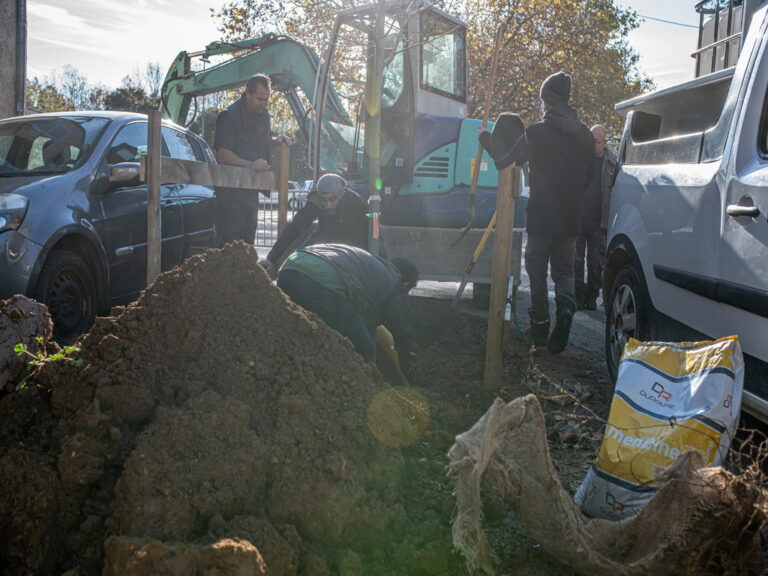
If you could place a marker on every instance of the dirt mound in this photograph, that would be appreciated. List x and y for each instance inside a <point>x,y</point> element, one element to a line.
<point>22,321</point>
<point>211,409</point>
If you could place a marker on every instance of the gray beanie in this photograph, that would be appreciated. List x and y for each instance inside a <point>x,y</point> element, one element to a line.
<point>556,89</point>
<point>331,184</point>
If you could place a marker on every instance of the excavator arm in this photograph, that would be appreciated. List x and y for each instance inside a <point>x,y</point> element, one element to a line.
<point>290,64</point>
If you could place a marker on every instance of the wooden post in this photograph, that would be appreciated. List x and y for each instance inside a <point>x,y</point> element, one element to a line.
<point>154,222</point>
<point>282,187</point>
<point>509,189</point>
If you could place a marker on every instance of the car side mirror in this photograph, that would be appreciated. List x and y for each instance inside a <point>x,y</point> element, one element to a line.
<point>121,175</point>
<point>125,174</point>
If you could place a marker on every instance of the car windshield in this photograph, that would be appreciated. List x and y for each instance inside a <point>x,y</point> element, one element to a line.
<point>42,146</point>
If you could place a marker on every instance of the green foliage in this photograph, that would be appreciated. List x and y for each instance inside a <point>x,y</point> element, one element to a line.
<point>40,359</point>
<point>586,38</point>
<point>71,90</point>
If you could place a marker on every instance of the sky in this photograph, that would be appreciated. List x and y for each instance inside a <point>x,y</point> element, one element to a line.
<point>109,39</point>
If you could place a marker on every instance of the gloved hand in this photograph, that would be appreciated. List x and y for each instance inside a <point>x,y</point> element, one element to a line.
<point>485,139</point>
<point>269,267</point>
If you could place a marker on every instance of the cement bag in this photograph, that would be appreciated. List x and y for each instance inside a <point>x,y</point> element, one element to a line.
<point>669,398</point>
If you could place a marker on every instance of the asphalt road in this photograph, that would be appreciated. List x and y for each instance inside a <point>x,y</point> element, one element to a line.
<point>587,331</point>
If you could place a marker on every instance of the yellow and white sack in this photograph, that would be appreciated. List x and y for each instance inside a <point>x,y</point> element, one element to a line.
<point>669,398</point>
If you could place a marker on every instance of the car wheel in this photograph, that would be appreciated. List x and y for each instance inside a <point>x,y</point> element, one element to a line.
<point>66,286</point>
<point>627,315</point>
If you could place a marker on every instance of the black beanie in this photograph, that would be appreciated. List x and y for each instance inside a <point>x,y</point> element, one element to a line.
<point>556,89</point>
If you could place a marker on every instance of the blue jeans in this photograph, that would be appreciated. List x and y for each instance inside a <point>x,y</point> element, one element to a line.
<point>335,310</point>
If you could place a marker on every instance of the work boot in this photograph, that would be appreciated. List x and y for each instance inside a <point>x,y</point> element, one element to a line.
<point>538,332</point>
<point>559,337</point>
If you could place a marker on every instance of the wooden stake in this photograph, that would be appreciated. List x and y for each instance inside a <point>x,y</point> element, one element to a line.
<point>154,222</point>
<point>508,192</point>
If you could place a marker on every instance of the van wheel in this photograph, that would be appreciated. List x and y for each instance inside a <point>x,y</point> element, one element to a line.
<point>627,315</point>
<point>66,286</point>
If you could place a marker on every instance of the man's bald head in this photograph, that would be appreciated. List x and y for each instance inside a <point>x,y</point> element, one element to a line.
<point>600,138</point>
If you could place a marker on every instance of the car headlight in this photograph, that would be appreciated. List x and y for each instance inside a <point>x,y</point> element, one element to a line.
<point>13,207</point>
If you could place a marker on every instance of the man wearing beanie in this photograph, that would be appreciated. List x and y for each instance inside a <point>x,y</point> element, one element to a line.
<point>559,151</point>
<point>341,217</point>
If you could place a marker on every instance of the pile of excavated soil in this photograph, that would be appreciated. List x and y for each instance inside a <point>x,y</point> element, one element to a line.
<point>216,428</point>
<point>212,424</point>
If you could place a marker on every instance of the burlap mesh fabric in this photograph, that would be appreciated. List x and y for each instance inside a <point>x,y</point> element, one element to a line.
<point>700,517</point>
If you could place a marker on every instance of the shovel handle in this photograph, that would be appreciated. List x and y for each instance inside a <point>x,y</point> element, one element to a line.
<point>486,111</point>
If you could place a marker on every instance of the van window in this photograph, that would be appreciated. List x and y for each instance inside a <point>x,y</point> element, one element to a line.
<point>763,134</point>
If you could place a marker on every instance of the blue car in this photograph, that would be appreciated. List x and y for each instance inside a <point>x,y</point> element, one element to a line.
<point>73,211</point>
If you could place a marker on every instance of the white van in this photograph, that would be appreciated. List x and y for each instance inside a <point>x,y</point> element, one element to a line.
<point>688,240</point>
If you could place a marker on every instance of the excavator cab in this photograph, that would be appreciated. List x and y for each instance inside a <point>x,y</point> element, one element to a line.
<point>423,77</point>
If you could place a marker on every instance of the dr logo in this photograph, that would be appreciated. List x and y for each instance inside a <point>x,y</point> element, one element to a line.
<point>616,506</point>
<point>661,392</point>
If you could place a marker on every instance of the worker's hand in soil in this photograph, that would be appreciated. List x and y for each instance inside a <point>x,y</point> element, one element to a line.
<point>407,362</point>
<point>269,267</point>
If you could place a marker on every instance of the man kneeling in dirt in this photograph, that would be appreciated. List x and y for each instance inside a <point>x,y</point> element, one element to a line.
<point>354,292</point>
<point>341,217</point>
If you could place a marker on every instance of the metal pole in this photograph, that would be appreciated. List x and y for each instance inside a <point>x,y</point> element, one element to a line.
<point>282,187</point>
<point>154,222</point>
<point>374,211</point>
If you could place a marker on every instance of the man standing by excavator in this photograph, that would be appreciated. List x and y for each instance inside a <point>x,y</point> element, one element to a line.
<point>244,138</point>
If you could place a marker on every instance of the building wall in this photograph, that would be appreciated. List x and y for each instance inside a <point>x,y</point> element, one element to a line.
<point>9,97</point>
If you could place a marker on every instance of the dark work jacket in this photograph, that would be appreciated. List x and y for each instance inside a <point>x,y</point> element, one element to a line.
<point>375,288</point>
<point>593,199</point>
<point>607,178</point>
<point>347,225</point>
<point>559,151</point>
<point>247,135</point>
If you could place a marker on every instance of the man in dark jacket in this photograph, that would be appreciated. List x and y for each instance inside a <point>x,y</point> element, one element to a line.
<point>559,151</point>
<point>340,213</point>
<point>354,292</point>
<point>243,138</point>
<point>590,246</point>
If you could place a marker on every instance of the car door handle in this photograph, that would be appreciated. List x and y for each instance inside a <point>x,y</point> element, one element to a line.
<point>737,210</point>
